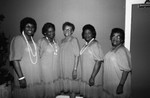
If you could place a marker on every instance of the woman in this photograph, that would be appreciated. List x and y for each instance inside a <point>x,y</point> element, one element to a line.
<point>69,53</point>
<point>117,68</point>
<point>48,50</point>
<point>91,59</point>
<point>24,57</point>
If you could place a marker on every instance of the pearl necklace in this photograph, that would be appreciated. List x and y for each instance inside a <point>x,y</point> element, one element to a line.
<point>85,46</point>
<point>55,48</point>
<point>30,49</point>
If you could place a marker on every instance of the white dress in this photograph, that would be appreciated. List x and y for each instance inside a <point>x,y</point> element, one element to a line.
<point>91,53</point>
<point>115,62</point>
<point>49,66</point>
<point>68,51</point>
<point>19,51</point>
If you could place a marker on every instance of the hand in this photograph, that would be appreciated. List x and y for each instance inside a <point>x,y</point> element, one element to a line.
<point>23,83</point>
<point>74,74</point>
<point>119,89</point>
<point>91,81</point>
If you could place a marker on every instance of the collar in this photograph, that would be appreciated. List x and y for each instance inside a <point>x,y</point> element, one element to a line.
<point>89,41</point>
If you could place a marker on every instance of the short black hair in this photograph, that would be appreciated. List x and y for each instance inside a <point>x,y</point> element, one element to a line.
<point>46,26</point>
<point>120,31</point>
<point>89,27</point>
<point>25,21</point>
<point>68,24</point>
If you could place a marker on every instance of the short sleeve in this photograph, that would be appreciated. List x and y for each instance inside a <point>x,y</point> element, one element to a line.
<point>124,59</point>
<point>16,48</point>
<point>41,46</point>
<point>39,43</point>
<point>75,45</point>
<point>97,51</point>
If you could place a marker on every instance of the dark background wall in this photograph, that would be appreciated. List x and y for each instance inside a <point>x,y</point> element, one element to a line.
<point>140,49</point>
<point>103,14</point>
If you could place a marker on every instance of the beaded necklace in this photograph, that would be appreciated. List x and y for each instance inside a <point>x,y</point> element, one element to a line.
<point>30,49</point>
<point>85,46</point>
<point>55,48</point>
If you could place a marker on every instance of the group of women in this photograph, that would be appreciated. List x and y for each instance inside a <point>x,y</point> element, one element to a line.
<point>46,69</point>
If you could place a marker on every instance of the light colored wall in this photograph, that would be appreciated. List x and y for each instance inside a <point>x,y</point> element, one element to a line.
<point>103,14</point>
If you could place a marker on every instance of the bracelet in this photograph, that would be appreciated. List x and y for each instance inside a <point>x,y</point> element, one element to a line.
<point>75,69</point>
<point>21,78</point>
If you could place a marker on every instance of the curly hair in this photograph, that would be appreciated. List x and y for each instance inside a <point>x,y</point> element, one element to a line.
<point>46,26</point>
<point>89,27</point>
<point>120,31</point>
<point>68,24</point>
<point>25,21</point>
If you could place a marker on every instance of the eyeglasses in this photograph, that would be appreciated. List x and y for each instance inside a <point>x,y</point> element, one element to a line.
<point>117,37</point>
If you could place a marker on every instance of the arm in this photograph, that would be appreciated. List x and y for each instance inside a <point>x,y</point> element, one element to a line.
<point>95,71</point>
<point>124,77</point>
<point>17,68</point>
<point>40,47</point>
<point>76,56</point>
<point>125,66</point>
<point>122,82</point>
<point>125,73</point>
<point>74,73</point>
<point>77,50</point>
<point>76,62</point>
<point>16,51</point>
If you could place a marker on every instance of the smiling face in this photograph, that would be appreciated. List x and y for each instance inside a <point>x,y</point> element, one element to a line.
<point>67,31</point>
<point>29,29</point>
<point>87,35</point>
<point>116,39</point>
<point>50,33</point>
